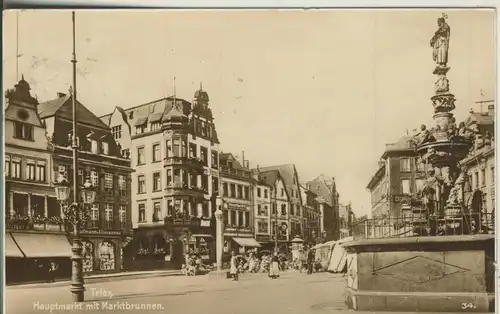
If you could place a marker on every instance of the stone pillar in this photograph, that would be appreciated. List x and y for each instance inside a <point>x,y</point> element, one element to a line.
<point>46,206</point>
<point>11,201</point>
<point>219,237</point>
<point>29,205</point>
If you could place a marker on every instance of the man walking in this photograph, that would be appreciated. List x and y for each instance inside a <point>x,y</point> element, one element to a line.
<point>310,261</point>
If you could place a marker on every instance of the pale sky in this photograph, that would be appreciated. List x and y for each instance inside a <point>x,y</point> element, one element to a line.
<point>324,90</point>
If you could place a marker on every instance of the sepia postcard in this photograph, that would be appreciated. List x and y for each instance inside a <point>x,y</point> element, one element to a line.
<point>249,161</point>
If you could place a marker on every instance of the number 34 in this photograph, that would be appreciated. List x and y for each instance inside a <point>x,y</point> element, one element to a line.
<point>467,306</point>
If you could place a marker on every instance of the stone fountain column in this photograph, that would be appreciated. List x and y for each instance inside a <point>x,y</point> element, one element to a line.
<point>447,273</point>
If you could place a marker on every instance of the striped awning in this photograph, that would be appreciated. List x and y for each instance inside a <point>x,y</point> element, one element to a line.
<point>247,242</point>
<point>11,248</point>
<point>35,245</point>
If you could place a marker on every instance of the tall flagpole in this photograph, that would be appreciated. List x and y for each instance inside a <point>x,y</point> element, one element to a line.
<point>17,46</point>
<point>77,282</point>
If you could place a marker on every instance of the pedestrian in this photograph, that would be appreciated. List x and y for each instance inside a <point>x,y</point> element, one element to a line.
<point>274,269</point>
<point>234,266</point>
<point>310,261</point>
<point>52,268</point>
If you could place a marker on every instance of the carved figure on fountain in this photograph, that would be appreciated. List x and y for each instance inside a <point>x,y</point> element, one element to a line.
<point>456,197</point>
<point>424,136</point>
<point>452,128</point>
<point>440,42</point>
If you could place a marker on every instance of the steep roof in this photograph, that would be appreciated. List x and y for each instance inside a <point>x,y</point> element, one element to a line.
<point>270,177</point>
<point>236,164</point>
<point>402,147</point>
<point>62,107</point>
<point>287,172</point>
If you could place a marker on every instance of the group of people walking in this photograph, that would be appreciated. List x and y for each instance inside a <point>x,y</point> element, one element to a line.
<point>274,267</point>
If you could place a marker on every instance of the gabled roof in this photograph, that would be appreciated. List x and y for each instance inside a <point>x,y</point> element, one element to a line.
<point>287,172</point>
<point>49,108</point>
<point>62,107</point>
<point>402,147</point>
<point>236,163</point>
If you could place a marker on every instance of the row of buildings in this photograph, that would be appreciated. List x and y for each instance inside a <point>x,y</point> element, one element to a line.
<point>159,174</point>
<point>400,173</point>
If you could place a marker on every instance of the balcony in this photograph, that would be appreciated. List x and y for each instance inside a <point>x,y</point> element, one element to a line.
<point>178,188</point>
<point>234,172</point>
<point>188,161</point>
<point>19,222</point>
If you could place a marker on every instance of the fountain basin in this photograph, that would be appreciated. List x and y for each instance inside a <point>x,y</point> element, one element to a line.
<point>421,274</point>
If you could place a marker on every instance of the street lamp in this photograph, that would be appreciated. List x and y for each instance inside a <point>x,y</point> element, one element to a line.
<point>219,237</point>
<point>76,214</point>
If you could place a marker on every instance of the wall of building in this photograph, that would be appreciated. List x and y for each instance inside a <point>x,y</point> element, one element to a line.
<point>262,210</point>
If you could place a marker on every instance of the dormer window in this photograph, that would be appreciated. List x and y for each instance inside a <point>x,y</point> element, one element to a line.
<point>105,148</point>
<point>140,129</point>
<point>93,147</point>
<point>155,126</point>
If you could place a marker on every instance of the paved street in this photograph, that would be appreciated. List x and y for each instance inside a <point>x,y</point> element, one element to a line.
<point>254,293</point>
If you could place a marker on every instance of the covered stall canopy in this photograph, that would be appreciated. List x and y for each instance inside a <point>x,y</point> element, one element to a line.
<point>339,256</point>
<point>11,248</point>
<point>247,242</point>
<point>323,252</point>
<point>35,245</point>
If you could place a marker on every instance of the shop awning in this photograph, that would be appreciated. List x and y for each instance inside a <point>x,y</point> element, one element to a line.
<point>247,242</point>
<point>35,245</point>
<point>11,248</point>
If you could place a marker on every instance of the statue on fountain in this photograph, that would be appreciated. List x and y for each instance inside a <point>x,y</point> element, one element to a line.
<point>424,136</point>
<point>440,42</point>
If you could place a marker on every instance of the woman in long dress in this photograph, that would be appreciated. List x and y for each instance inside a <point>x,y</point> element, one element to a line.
<point>274,269</point>
<point>234,266</point>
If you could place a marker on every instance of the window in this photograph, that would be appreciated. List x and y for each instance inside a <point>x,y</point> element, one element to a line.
<point>108,181</point>
<point>81,176</point>
<point>117,132</point>
<point>240,220</point>
<point>203,129</point>
<point>122,185</point>
<point>105,148</point>
<point>292,209</point>
<point>204,155</point>
<point>232,217</point>
<point>141,160</point>
<point>476,180</point>
<point>258,192</point>
<point>204,210</point>
<point>16,167</point>
<point>405,164</point>
<point>483,177</point>
<point>169,176</point>
<point>156,211</point>
<point>184,149</point>
<point>141,180</point>
<point>176,148</point>
<point>125,153</point>
<point>282,192</point>
<point>405,185</point>
<point>156,181</point>
<point>192,150</point>
<point>155,126</point>
<point>262,226</point>
<point>140,129</point>
<point>233,190</point>
<point>30,169</point>
<point>225,217</point>
<point>247,194</point>
<point>122,215</point>
<point>204,181</point>
<point>215,185</point>
<point>23,131</point>
<point>156,152</point>
<point>225,191</point>
<point>142,212</point>
<point>247,219</point>
<point>40,171</point>
<point>283,209</point>
<point>177,175</point>
<point>240,191</point>
<point>94,214</point>
<point>214,159</point>
<point>108,215</point>
<point>265,193</point>
<point>492,169</point>
<point>421,167</point>
<point>7,166</point>
<point>93,147</point>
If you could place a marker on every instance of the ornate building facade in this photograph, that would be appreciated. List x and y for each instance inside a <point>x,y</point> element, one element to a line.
<point>109,228</point>
<point>262,208</point>
<point>173,146</point>
<point>238,199</point>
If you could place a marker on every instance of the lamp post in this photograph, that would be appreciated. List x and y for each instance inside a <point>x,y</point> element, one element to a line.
<point>76,214</point>
<point>219,237</point>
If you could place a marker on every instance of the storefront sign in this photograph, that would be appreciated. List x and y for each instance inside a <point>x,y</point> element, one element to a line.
<point>205,223</point>
<point>104,232</point>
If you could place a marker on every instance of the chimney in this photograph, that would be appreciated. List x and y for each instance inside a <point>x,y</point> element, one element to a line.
<point>61,95</point>
<point>243,157</point>
<point>491,110</point>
